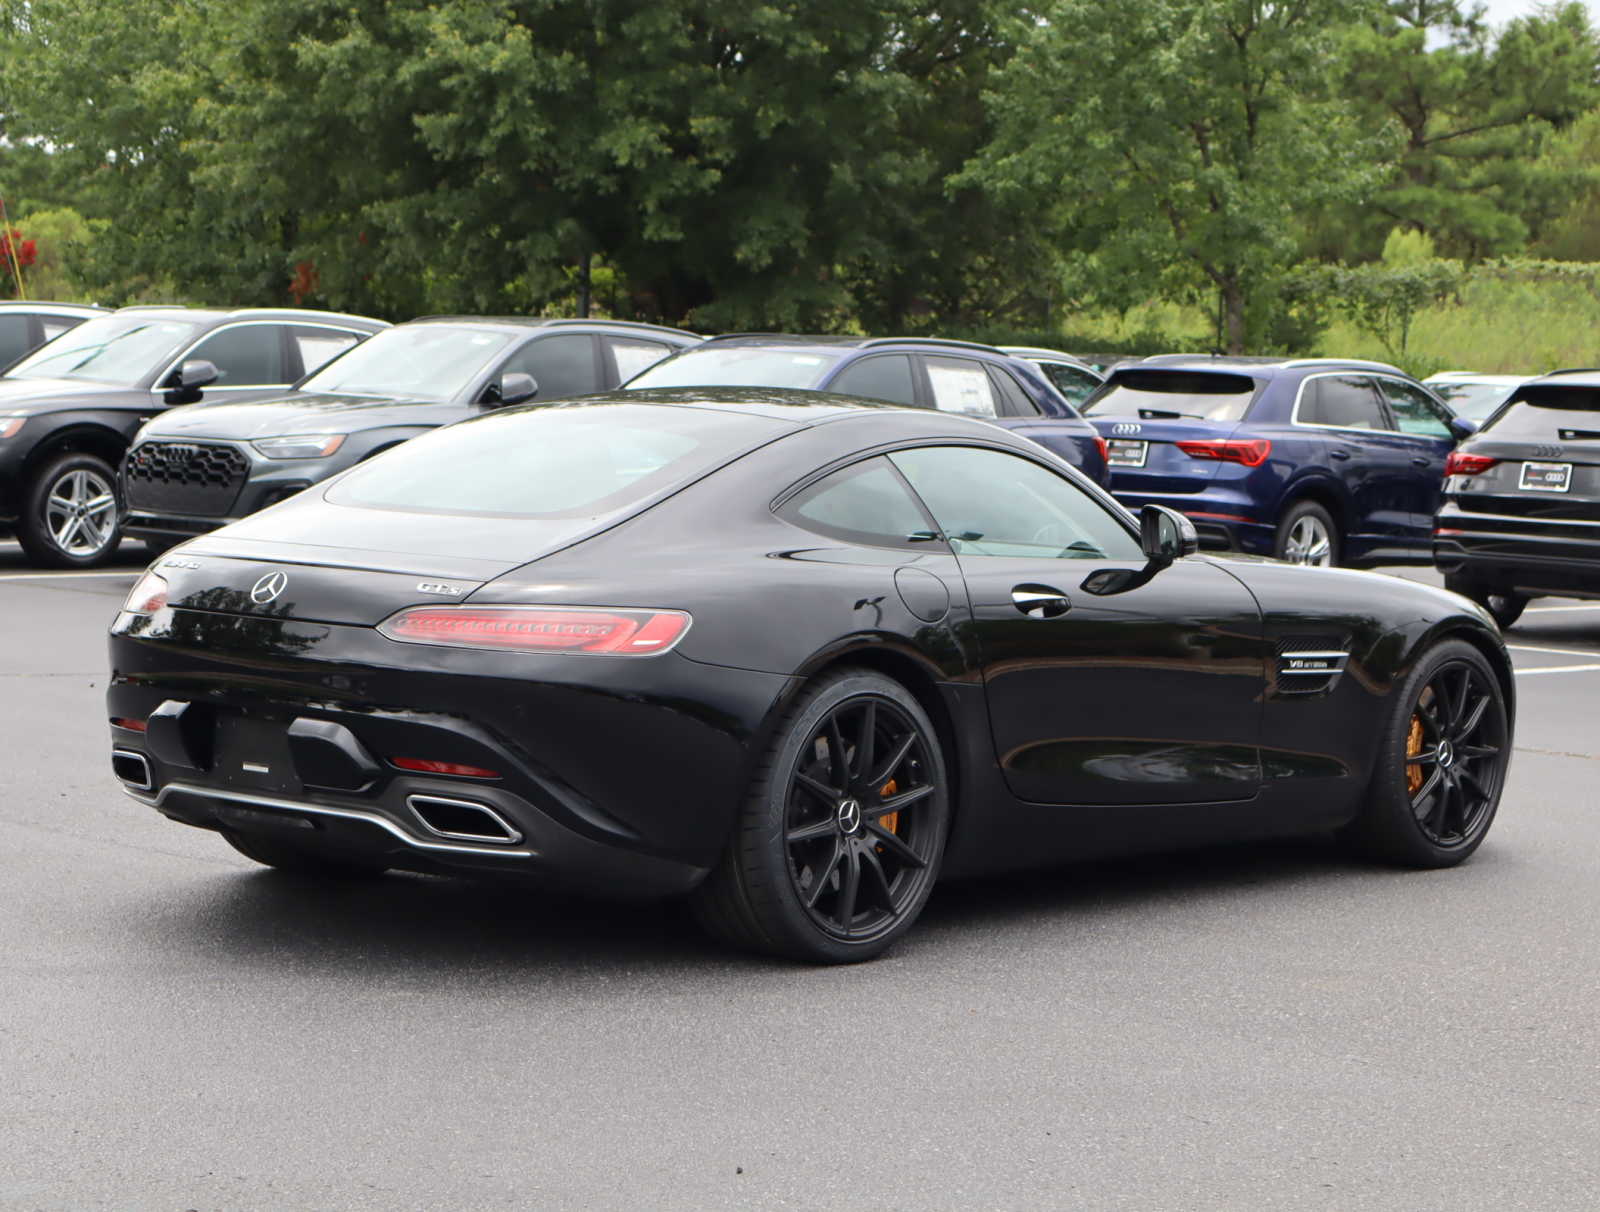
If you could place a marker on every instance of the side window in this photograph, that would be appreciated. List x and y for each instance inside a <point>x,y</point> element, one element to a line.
<point>1348,401</point>
<point>16,337</point>
<point>561,366</point>
<point>1074,382</point>
<point>54,326</point>
<point>633,355</point>
<point>1413,412</point>
<point>319,346</point>
<point>1014,401</point>
<point>883,377</point>
<point>865,503</point>
<point>990,503</point>
<point>249,355</point>
<point>960,385</point>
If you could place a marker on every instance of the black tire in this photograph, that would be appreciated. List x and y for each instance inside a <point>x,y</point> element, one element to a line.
<point>1506,608</point>
<point>828,827</point>
<point>70,513</point>
<point>1300,522</point>
<point>286,856</point>
<point>1441,763</point>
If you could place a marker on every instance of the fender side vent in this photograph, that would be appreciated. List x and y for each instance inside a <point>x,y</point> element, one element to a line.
<point>1310,664</point>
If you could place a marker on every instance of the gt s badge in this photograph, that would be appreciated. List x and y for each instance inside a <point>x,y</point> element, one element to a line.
<point>177,562</point>
<point>438,587</point>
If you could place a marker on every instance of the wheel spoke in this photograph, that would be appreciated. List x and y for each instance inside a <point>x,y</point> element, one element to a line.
<point>1426,758</point>
<point>877,883</point>
<point>100,503</point>
<point>1430,720</point>
<point>821,876</point>
<point>896,802</point>
<point>838,764</point>
<point>1426,789</point>
<point>1469,782</point>
<point>881,775</point>
<point>867,739</point>
<point>68,533</point>
<point>811,833</point>
<point>1474,718</point>
<point>1479,751</point>
<point>829,795</point>
<point>849,885</point>
<point>1441,810</point>
<point>896,846</point>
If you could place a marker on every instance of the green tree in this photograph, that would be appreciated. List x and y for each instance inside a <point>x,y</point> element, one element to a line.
<point>1172,144</point>
<point>1474,111</point>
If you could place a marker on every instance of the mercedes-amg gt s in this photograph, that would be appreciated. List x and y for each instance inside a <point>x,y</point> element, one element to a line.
<point>793,655</point>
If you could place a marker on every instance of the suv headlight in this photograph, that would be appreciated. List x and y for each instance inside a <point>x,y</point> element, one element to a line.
<point>300,446</point>
<point>10,425</point>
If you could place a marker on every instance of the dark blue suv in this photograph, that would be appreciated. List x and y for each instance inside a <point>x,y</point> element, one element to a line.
<point>1313,460</point>
<point>952,376</point>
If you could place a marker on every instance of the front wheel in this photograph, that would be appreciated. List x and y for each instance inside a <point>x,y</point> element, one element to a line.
<point>842,834</point>
<point>1506,608</point>
<point>1441,762</point>
<point>69,513</point>
<point>1307,535</point>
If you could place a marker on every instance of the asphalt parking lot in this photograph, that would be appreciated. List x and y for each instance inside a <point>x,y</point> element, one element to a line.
<point>1259,1027</point>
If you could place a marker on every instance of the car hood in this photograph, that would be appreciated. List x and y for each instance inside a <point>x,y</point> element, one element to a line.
<point>32,396</point>
<point>298,412</point>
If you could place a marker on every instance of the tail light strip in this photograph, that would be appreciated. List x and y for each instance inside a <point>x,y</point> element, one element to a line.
<point>574,629</point>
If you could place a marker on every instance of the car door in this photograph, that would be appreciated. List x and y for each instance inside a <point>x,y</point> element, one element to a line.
<point>562,364</point>
<point>1424,427</point>
<point>1151,695</point>
<point>1371,460</point>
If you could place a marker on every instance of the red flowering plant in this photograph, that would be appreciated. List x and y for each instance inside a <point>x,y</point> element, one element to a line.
<point>16,254</point>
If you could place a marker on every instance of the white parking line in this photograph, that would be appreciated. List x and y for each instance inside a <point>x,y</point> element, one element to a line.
<point>1583,652</point>
<point>1558,669</point>
<point>1558,609</point>
<point>60,576</point>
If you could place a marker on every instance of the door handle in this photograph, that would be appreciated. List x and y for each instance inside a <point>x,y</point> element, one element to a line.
<point>1336,453</point>
<point>1419,461</point>
<point>1040,601</point>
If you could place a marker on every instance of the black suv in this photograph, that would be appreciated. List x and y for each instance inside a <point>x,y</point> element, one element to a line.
<point>921,372</point>
<point>68,409</point>
<point>25,325</point>
<point>1521,511</point>
<point>192,470</point>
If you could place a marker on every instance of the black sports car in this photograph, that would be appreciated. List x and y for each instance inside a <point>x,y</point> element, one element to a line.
<point>793,654</point>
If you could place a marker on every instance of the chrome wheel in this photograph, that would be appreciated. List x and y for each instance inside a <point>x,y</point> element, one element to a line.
<point>80,513</point>
<point>1454,754</point>
<point>1309,542</point>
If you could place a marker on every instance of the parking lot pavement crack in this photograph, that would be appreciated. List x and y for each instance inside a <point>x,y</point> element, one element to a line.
<point>1588,757</point>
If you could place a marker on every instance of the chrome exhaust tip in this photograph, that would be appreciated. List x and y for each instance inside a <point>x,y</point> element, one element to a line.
<point>462,820</point>
<point>133,768</point>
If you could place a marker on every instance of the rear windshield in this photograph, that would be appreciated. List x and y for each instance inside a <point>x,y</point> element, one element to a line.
<point>1563,413</point>
<point>425,361</point>
<point>741,366</point>
<point>1158,394</point>
<point>553,462</point>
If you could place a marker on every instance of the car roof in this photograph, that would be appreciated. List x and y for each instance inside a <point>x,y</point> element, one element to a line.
<point>44,305</point>
<point>1038,351</point>
<point>285,314</point>
<point>1260,366</point>
<point>1577,376</point>
<point>800,406</point>
<point>1472,376</point>
<point>789,340</point>
<point>519,323</point>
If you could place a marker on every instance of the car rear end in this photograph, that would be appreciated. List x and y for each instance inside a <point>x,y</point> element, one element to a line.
<point>1521,509</point>
<point>1181,436</point>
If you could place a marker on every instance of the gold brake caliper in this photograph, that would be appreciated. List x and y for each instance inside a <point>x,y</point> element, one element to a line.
<point>1413,748</point>
<point>889,820</point>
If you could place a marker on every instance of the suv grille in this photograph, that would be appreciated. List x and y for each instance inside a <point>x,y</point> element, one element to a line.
<point>184,477</point>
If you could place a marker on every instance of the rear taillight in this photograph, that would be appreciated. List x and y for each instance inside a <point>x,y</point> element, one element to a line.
<point>578,629</point>
<point>1252,452</point>
<point>1104,448</point>
<point>429,766</point>
<point>1457,463</point>
<point>148,596</point>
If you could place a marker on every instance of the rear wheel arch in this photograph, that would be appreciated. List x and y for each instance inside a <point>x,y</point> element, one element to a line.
<point>1321,493</point>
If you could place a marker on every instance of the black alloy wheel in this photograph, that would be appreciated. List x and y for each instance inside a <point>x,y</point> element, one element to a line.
<point>841,842</point>
<point>1441,769</point>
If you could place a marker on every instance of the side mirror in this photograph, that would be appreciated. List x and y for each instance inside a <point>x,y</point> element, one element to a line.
<point>1463,427</point>
<point>192,376</point>
<point>1166,535</point>
<point>513,388</point>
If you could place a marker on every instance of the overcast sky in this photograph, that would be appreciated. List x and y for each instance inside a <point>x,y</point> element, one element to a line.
<point>1503,10</point>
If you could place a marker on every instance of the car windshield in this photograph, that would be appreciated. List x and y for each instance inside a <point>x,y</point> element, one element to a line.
<point>1562,414</point>
<point>1158,394</point>
<point>741,366</point>
<point>427,361</point>
<point>1475,401</point>
<point>554,462</point>
<point>120,350</point>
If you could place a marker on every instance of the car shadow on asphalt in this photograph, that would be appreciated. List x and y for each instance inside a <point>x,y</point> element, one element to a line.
<point>455,928</point>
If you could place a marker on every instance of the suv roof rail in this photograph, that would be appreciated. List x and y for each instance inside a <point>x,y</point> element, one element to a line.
<point>556,321</point>
<point>155,307</point>
<point>873,341</point>
<point>1371,363</point>
<point>1572,370</point>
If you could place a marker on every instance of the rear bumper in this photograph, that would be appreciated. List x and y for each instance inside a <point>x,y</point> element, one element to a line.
<point>612,775</point>
<point>1225,521</point>
<point>1510,553</point>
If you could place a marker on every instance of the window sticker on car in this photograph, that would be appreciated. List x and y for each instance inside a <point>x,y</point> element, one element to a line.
<point>1546,477</point>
